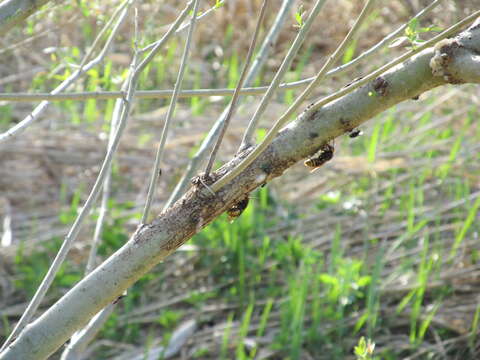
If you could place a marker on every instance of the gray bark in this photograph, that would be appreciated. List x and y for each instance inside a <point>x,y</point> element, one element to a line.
<point>13,12</point>
<point>452,61</point>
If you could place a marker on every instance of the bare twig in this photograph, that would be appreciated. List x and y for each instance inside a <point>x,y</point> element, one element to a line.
<point>290,111</point>
<point>260,59</point>
<point>317,105</point>
<point>75,229</point>
<point>269,41</point>
<point>183,27</point>
<point>168,119</point>
<point>104,202</point>
<point>154,242</point>
<point>287,61</point>
<point>26,41</point>
<point>81,339</point>
<point>101,33</point>
<point>145,94</point>
<point>355,85</point>
<point>34,115</point>
<point>106,185</point>
<point>382,43</point>
<point>236,94</point>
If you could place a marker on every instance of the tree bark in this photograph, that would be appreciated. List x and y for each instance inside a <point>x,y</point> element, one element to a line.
<point>451,61</point>
<point>13,12</point>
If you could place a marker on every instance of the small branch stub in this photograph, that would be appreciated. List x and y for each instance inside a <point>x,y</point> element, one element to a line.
<point>445,53</point>
<point>380,85</point>
<point>457,60</point>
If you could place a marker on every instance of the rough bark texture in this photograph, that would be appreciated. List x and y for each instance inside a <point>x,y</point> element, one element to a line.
<point>303,137</point>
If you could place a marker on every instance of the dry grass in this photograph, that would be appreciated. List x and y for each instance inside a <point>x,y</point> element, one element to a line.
<point>55,155</point>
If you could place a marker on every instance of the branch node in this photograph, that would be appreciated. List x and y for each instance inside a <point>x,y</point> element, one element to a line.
<point>205,180</point>
<point>444,56</point>
<point>380,85</point>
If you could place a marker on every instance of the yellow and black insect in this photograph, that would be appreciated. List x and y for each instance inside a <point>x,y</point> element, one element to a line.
<point>237,208</point>
<point>326,154</point>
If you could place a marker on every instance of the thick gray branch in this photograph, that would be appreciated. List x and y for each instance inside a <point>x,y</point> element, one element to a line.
<point>198,207</point>
<point>457,60</point>
<point>13,12</point>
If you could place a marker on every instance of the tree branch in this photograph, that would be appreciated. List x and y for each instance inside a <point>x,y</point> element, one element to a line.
<point>75,229</point>
<point>374,75</point>
<point>13,12</point>
<point>262,55</point>
<point>151,243</point>
<point>84,68</point>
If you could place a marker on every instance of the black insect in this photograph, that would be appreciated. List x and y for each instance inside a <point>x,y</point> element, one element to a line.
<point>237,208</point>
<point>354,133</point>
<point>325,155</point>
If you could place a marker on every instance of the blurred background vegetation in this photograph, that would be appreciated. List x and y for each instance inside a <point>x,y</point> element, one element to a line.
<point>381,243</point>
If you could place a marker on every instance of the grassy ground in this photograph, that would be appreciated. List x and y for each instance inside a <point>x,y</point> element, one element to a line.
<point>380,244</point>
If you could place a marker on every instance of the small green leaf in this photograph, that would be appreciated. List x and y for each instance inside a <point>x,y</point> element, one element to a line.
<point>299,16</point>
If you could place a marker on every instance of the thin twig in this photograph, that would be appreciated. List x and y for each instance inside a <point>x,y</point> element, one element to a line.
<point>106,185</point>
<point>102,211</point>
<point>160,94</point>
<point>236,94</point>
<point>286,116</point>
<point>269,41</point>
<point>154,243</point>
<point>268,138</point>
<point>168,120</point>
<point>34,115</point>
<point>287,61</point>
<point>100,35</point>
<point>384,42</point>
<point>27,40</point>
<point>259,61</point>
<point>145,94</point>
<point>82,338</point>
<point>351,87</point>
<point>75,229</point>
<point>183,27</point>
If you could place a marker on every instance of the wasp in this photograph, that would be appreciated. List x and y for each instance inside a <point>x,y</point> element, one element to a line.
<point>237,208</point>
<point>325,155</point>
